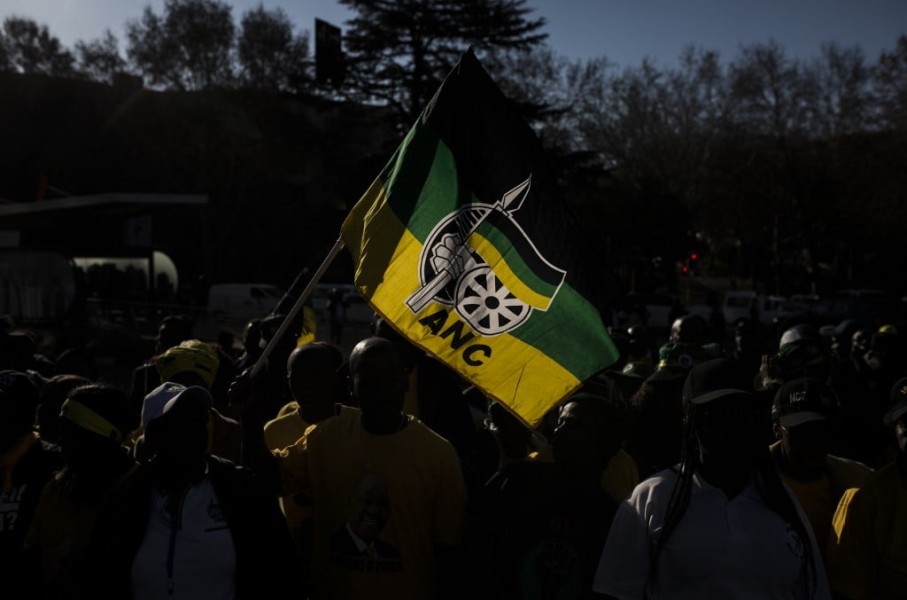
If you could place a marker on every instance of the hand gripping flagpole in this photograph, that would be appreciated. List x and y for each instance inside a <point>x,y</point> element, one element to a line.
<point>309,288</point>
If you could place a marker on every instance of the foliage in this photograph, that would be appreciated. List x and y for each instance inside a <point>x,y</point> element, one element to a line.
<point>188,47</point>
<point>891,86</point>
<point>26,47</point>
<point>399,51</point>
<point>100,60</point>
<point>271,57</point>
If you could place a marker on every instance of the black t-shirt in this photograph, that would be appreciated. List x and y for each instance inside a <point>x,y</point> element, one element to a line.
<point>534,532</point>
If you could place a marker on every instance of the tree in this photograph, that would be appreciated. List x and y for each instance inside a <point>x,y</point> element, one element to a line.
<point>188,47</point>
<point>543,85</point>
<point>891,85</point>
<point>100,60</point>
<point>398,51</point>
<point>270,56</point>
<point>26,47</point>
<point>775,92</point>
<point>845,104</point>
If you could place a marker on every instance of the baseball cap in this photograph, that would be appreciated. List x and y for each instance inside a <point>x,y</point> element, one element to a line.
<point>192,397</point>
<point>898,403</point>
<point>167,432</point>
<point>153,405</point>
<point>714,379</point>
<point>804,400</point>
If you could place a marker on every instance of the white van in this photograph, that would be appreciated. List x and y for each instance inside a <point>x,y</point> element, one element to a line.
<point>744,304</point>
<point>243,300</point>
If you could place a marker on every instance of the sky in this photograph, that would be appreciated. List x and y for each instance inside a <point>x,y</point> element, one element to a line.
<point>624,31</point>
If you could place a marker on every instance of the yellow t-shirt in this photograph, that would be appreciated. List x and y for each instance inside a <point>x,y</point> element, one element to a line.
<point>61,531</point>
<point>406,486</point>
<point>867,550</point>
<point>620,476</point>
<point>819,498</point>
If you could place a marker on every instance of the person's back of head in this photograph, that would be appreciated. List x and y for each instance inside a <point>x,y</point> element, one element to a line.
<point>588,434</point>
<point>803,352</point>
<point>76,361</point>
<point>313,372</point>
<point>20,351</point>
<point>50,399</point>
<point>96,421</point>
<point>252,337</point>
<point>18,407</point>
<point>378,383</point>
<point>173,330</point>
<point>689,329</point>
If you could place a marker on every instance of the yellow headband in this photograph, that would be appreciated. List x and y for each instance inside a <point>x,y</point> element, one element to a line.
<point>88,419</point>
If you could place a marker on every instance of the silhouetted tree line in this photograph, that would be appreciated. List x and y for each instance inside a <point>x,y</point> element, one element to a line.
<point>781,171</point>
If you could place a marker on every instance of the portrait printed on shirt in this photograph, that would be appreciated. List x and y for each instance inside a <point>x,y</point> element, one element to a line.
<point>356,546</point>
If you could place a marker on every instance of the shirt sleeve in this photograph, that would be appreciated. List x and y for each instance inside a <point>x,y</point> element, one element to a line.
<point>293,463</point>
<point>623,569</point>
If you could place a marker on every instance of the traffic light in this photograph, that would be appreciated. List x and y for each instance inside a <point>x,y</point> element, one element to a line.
<point>694,261</point>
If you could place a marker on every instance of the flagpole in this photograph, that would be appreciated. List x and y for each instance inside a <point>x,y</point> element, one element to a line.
<point>309,288</point>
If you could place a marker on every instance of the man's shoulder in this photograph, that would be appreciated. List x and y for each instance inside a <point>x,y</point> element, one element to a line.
<point>656,485</point>
<point>418,430</point>
<point>846,473</point>
<point>885,480</point>
<point>344,422</point>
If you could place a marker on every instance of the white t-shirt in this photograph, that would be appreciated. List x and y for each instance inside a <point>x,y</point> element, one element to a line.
<point>721,548</point>
<point>200,561</point>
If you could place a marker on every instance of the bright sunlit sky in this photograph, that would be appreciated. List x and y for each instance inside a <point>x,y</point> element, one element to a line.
<point>625,31</point>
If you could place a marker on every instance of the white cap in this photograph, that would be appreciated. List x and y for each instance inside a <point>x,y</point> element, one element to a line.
<point>153,405</point>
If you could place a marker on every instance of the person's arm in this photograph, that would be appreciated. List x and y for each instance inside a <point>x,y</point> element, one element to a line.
<point>245,395</point>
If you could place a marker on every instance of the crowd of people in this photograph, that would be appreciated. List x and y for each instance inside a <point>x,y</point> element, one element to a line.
<point>739,462</point>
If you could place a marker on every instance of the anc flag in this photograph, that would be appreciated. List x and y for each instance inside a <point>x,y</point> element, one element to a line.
<point>465,246</point>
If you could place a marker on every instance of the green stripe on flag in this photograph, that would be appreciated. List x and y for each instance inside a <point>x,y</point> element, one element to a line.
<point>510,254</point>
